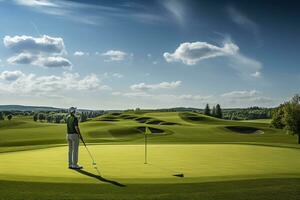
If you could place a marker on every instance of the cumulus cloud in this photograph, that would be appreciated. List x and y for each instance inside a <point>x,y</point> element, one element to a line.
<point>162,85</point>
<point>56,61</point>
<point>195,97</point>
<point>112,75</point>
<point>22,58</point>
<point>11,75</point>
<point>242,98</point>
<point>80,53</point>
<point>256,74</point>
<point>241,94</point>
<point>192,53</point>
<point>132,94</point>
<point>117,75</point>
<point>114,55</point>
<point>43,51</point>
<point>16,82</point>
<point>246,98</point>
<point>29,44</point>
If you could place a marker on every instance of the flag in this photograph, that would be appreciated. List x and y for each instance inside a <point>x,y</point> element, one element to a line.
<point>147,130</point>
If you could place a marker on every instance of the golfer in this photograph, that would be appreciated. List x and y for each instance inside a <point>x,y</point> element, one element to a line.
<point>73,138</point>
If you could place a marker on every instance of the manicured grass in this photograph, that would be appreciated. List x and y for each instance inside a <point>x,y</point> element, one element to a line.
<point>125,163</point>
<point>220,159</point>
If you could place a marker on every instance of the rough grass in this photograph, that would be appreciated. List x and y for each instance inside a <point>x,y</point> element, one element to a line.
<point>266,189</point>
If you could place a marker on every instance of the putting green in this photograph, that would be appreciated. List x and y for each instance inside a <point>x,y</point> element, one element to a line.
<point>125,163</point>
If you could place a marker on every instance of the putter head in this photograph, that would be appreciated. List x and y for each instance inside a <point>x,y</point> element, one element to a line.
<point>179,175</point>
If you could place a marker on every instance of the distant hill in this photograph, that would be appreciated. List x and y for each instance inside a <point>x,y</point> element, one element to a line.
<point>27,108</point>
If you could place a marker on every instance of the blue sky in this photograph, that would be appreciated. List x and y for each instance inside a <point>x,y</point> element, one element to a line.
<point>148,54</point>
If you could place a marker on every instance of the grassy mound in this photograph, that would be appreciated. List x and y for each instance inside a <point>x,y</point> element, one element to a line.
<point>198,118</point>
<point>124,132</point>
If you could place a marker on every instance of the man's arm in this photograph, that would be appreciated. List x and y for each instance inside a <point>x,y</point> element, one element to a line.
<point>78,130</point>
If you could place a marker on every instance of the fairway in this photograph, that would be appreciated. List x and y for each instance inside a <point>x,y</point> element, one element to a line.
<point>125,163</point>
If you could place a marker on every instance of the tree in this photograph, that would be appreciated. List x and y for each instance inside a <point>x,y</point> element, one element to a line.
<point>219,113</point>
<point>287,116</point>
<point>1,116</point>
<point>291,117</point>
<point>213,112</point>
<point>41,116</point>
<point>83,117</point>
<point>9,117</point>
<point>35,117</point>
<point>49,118</point>
<point>277,119</point>
<point>207,110</point>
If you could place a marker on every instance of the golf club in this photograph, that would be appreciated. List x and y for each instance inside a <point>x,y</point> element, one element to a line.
<point>147,132</point>
<point>94,162</point>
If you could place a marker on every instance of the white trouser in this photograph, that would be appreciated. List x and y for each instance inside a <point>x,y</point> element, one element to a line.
<point>73,140</point>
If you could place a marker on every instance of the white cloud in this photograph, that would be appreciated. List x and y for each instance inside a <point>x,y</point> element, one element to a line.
<point>132,94</point>
<point>114,55</point>
<point>55,61</point>
<point>192,53</point>
<point>194,97</point>
<point>117,75</point>
<point>246,98</point>
<point>16,82</point>
<point>36,3</point>
<point>29,44</point>
<point>256,74</point>
<point>241,98</point>
<point>22,58</point>
<point>240,94</point>
<point>112,75</point>
<point>162,85</point>
<point>42,51</point>
<point>11,75</point>
<point>78,53</point>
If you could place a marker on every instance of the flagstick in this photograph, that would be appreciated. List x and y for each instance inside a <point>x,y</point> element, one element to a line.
<point>145,146</point>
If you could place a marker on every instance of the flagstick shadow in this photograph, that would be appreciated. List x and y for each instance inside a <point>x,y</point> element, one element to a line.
<point>100,178</point>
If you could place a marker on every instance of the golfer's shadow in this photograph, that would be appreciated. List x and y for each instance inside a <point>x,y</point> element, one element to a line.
<point>100,178</point>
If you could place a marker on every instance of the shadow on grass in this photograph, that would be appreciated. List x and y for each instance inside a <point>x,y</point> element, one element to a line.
<point>100,178</point>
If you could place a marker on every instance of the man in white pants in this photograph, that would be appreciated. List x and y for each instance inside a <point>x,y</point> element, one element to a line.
<point>73,138</point>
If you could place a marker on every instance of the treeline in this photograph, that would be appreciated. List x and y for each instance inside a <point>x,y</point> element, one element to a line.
<point>60,117</point>
<point>248,113</point>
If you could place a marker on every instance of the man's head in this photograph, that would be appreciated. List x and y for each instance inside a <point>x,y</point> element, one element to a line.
<point>72,110</point>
